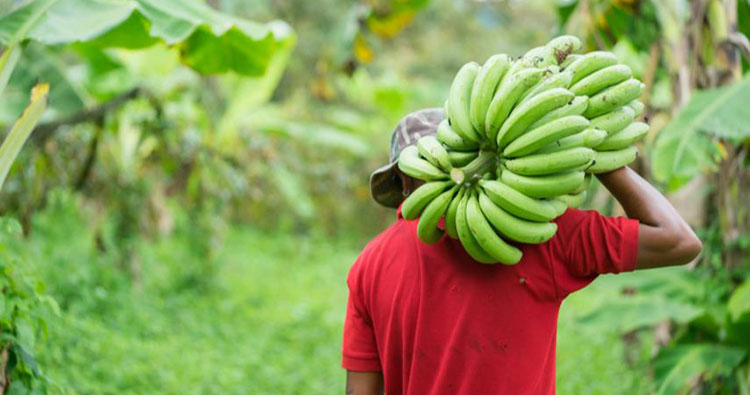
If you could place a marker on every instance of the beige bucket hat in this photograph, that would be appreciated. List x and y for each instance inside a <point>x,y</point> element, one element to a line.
<point>385,184</point>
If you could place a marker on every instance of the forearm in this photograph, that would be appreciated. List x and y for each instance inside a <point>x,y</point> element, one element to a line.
<point>664,238</point>
<point>639,199</point>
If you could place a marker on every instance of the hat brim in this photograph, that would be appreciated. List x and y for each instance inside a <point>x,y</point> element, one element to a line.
<point>385,186</point>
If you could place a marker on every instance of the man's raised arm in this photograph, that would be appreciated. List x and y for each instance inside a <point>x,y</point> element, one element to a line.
<point>664,238</point>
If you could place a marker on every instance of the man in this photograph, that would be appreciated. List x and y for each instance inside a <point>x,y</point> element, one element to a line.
<point>427,319</point>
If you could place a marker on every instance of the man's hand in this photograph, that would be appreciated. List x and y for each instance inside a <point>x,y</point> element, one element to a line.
<point>664,238</point>
<point>364,383</point>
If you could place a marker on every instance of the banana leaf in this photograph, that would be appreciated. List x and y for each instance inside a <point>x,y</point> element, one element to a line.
<point>688,145</point>
<point>22,129</point>
<point>208,41</point>
<point>675,368</point>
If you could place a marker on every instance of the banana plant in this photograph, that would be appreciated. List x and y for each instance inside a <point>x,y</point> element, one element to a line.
<point>205,40</point>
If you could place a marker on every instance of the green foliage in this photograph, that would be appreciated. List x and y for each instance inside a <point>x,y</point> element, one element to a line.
<point>208,41</point>
<point>36,64</point>
<point>738,308</point>
<point>688,145</point>
<point>201,38</point>
<point>739,302</point>
<point>8,62</point>
<point>679,367</point>
<point>633,313</point>
<point>205,40</point>
<point>244,334</point>
<point>24,311</point>
<point>709,342</point>
<point>591,358</point>
<point>604,22</point>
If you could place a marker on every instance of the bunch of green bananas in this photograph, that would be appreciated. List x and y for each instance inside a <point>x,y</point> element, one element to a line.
<point>519,144</point>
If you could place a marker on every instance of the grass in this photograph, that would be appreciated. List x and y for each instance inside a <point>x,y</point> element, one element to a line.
<point>270,324</point>
<point>269,321</point>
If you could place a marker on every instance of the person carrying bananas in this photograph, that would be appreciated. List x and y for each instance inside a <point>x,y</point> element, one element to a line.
<point>428,319</point>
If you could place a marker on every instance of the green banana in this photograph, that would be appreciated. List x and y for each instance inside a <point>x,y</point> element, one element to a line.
<point>431,149</point>
<point>637,107</point>
<point>569,60</point>
<point>412,165</point>
<point>556,162</point>
<point>450,214</point>
<point>490,242</point>
<point>576,107</point>
<point>458,101</point>
<point>624,138</point>
<point>462,158</point>
<point>615,120</point>
<point>543,186</point>
<point>470,243</point>
<point>427,228</point>
<point>529,111</point>
<point>536,57</point>
<point>590,63</point>
<point>514,228</point>
<point>421,197</point>
<point>508,93</point>
<point>545,134</point>
<point>453,140</point>
<point>561,206</point>
<point>607,161</point>
<point>520,205</point>
<point>484,88</point>
<point>584,166</point>
<point>594,137</point>
<point>590,138</point>
<point>614,97</point>
<point>584,185</point>
<point>563,46</point>
<point>573,200</point>
<point>555,80</point>
<point>599,80</point>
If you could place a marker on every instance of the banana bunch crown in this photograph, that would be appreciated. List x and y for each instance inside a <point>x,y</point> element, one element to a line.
<point>519,144</point>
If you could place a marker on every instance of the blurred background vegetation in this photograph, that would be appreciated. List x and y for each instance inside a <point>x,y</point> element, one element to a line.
<point>183,216</point>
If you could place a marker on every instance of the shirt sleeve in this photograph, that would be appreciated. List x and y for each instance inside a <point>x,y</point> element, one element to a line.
<point>360,352</point>
<point>590,244</point>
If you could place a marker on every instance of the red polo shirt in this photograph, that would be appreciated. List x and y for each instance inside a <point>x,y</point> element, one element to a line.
<point>434,321</point>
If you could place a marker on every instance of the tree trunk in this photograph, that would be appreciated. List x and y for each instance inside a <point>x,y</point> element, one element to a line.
<point>732,181</point>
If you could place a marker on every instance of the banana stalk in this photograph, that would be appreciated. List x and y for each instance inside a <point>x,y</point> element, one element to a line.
<point>485,162</point>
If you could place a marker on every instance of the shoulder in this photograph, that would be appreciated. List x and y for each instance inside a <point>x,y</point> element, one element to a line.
<point>575,220</point>
<point>576,226</point>
<point>572,217</point>
<point>398,240</point>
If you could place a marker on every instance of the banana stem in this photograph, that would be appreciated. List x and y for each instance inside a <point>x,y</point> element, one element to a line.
<point>485,162</point>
